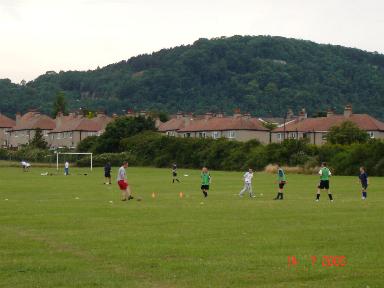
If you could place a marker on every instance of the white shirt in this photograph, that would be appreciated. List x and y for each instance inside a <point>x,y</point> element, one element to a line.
<point>248,177</point>
<point>121,175</point>
<point>66,165</point>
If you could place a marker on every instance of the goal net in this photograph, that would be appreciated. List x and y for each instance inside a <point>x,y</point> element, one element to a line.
<point>60,155</point>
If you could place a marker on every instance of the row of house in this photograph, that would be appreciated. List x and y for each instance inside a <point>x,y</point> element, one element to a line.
<point>243,127</point>
<point>68,131</point>
<point>63,131</point>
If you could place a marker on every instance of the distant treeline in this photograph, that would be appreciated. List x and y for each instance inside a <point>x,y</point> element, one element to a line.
<point>153,149</point>
<point>262,75</point>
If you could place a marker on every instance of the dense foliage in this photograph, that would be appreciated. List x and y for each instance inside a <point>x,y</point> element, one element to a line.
<point>263,75</point>
<point>152,149</point>
<point>347,133</point>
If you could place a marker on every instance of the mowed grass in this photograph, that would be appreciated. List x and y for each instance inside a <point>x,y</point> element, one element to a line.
<point>51,239</point>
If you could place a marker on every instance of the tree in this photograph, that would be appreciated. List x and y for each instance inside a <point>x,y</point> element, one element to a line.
<point>60,104</point>
<point>121,128</point>
<point>38,140</point>
<point>346,134</point>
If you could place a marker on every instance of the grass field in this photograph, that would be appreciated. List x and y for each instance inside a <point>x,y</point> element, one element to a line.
<point>49,238</point>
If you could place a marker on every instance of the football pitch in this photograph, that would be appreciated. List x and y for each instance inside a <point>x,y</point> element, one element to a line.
<point>74,231</point>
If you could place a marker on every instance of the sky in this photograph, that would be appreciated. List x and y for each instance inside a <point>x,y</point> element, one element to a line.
<point>60,35</point>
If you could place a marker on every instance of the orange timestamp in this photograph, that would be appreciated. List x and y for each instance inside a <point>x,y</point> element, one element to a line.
<point>326,261</point>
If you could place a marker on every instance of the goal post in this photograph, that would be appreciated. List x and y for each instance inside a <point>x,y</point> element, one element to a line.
<point>72,153</point>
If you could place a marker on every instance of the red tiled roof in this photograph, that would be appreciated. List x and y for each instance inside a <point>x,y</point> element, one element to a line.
<point>34,120</point>
<point>224,123</point>
<point>6,122</point>
<point>363,121</point>
<point>172,125</point>
<point>80,123</point>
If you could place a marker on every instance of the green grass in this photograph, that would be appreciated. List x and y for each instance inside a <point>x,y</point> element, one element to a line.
<point>51,239</point>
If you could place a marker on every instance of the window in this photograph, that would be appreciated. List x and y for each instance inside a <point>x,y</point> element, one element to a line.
<point>324,136</point>
<point>292,135</point>
<point>371,134</point>
<point>45,133</point>
<point>202,134</point>
<point>231,134</point>
<point>187,135</point>
<point>279,137</point>
<point>215,134</point>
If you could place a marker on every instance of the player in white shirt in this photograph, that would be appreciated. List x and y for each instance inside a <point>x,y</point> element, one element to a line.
<point>123,184</point>
<point>25,165</point>
<point>66,168</point>
<point>248,184</point>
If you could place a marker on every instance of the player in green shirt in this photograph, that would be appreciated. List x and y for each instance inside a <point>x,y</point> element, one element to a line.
<point>205,181</point>
<point>281,180</point>
<point>324,173</point>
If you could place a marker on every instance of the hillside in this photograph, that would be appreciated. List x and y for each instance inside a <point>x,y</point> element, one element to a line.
<point>263,75</point>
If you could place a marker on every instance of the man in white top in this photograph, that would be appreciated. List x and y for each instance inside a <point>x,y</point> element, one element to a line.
<point>25,165</point>
<point>66,168</point>
<point>248,184</point>
<point>123,184</point>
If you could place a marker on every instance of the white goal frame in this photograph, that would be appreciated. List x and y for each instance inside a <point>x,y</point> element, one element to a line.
<point>72,153</point>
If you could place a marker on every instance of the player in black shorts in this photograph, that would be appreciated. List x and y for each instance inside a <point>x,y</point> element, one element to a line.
<point>363,176</point>
<point>107,173</point>
<point>174,173</point>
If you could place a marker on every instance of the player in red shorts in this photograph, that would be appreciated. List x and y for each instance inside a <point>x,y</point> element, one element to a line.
<point>123,184</point>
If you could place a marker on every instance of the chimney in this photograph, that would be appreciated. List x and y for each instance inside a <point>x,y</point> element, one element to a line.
<point>208,115</point>
<point>330,113</point>
<point>18,117</point>
<point>179,115</point>
<point>348,111</point>
<point>237,113</point>
<point>130,113</point>
<point>59,119</point>
<point>289,114</point>
<point>247,115</point>
<point>302,114</point>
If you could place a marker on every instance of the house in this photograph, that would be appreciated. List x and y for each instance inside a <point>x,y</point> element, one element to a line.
<point>70,130</point>
<point>316,129</point>
<point>173,125</point>
<point>25,128</point>
<point>237,127</point>
<point>6,124</point>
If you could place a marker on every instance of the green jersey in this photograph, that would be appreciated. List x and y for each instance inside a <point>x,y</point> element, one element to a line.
<point>205,177</point>
<point>324,174</point>
<point>281,175</point>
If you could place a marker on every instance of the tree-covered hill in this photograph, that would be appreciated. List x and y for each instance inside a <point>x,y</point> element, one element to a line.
<point>262,75</point>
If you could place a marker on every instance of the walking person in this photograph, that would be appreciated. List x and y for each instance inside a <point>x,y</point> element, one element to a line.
<point>123,183</point>
<point>247,184</point>
<point>174,173</point>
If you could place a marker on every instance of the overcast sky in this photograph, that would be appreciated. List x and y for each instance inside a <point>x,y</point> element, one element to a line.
<point>42,35</point>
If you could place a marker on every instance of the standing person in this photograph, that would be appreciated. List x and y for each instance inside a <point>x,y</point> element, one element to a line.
<point>363,176</point>
<point>324,173</point>
<point>281,180</point>
<point>205,181</point>
<point>107,173</point>
<point>247,184</point>
<point>123,184</point>
<point>174,173</point>
<point>66,168</point>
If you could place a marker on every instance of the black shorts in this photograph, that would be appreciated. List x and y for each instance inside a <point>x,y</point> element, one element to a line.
<point>364,185</point>
<point>107,175</point>
<point>174,174</point>
<point>204,187</point>
<point>324,184</point>
<point>281,184</point>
